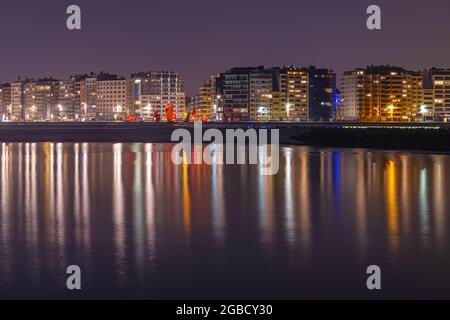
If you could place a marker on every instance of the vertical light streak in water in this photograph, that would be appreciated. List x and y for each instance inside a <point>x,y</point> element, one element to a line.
<point>322,173</point>
<point>31,207</point>
<point>77,198</point>
<point>337,183</point>
<point>119,216</point>
<point>424,209</point>
<point>20,218</point>
<point>5,223</point>
<point>60,212</point>
<point>439,201</point>
<point>27,202</point>
<point>325,189</point>
<point>305,205</point>
<point>375,179</point>
<point>265,203</point>
<point>361,204</point>
<point>5,182</point>
<point>53,251</point>
<point>150,207</point>
<point>186,200</point>
<point>36,261</point>
<point>218,200</point>
<point>45,218</point>
<point>171,173</point>
<point>85,202</point>
<point>290,225</point>
<point>405,195</point>
<point>138,212</point>
<point>369,174</point>
<point>371,178</point>
<point>34,187</point>
<point>52,178</point>
<point>392,206</point>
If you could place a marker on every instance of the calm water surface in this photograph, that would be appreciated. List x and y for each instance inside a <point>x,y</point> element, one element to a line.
<point>141,227</point>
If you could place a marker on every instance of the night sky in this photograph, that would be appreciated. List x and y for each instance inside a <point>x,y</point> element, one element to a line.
<point>200,38</point>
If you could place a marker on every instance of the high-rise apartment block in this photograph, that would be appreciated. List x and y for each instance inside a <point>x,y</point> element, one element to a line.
<point>277,94</point>
<point>261,84</point>
<point>381,93</point>
<point>18,99</point>
<point>321,93</point>
<point>203,101</point>
<point>5,101</point>
<point>290,94</point>
<point>153,91</point>
<point>41,100</point>
<point>234,88</point>
<point>437,93</point>
<point>67,108</point>
<point>254,93</point>
<point>111,97</point>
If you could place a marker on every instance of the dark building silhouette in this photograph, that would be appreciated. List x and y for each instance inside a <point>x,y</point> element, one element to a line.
<point>322,94</point>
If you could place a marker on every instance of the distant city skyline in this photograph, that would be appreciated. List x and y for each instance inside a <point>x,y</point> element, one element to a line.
<point>201,38</point>
<point>375,93</point>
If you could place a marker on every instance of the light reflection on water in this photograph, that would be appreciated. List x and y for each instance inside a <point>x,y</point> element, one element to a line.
<point>139,226</point>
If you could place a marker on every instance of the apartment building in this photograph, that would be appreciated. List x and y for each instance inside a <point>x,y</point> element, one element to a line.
<point>380,93</point>
<point>153,91</point>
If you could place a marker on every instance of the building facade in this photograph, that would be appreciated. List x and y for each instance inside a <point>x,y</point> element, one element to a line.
<point>67,101</point>
<point>217,112</point>
<point>258,94</point>
<point>276,94</point>
<point>360,100</point>
<point>153,91</point>
<point>381,93</point>
<point>5,101</point>
<point>202,103</point>
<point>261,86</point>
<point>322,94</point>
<point>234,89</point>
<point>438,88</point>
<point>111,104</point>
<point>41,100</point>
<point>88,96</point>
<point>18,99</point>
<point>290,97</point>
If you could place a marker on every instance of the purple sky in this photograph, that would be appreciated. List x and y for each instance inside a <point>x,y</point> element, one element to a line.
<point>203,37</point>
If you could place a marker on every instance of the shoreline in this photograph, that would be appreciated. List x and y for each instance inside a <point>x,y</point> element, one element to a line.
<point>430,137</point>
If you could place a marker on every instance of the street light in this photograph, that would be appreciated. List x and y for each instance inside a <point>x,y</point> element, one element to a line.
<point>148,110</point>
<point>288,109</point>
<point>424,111</point>
<point>391,110</point>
